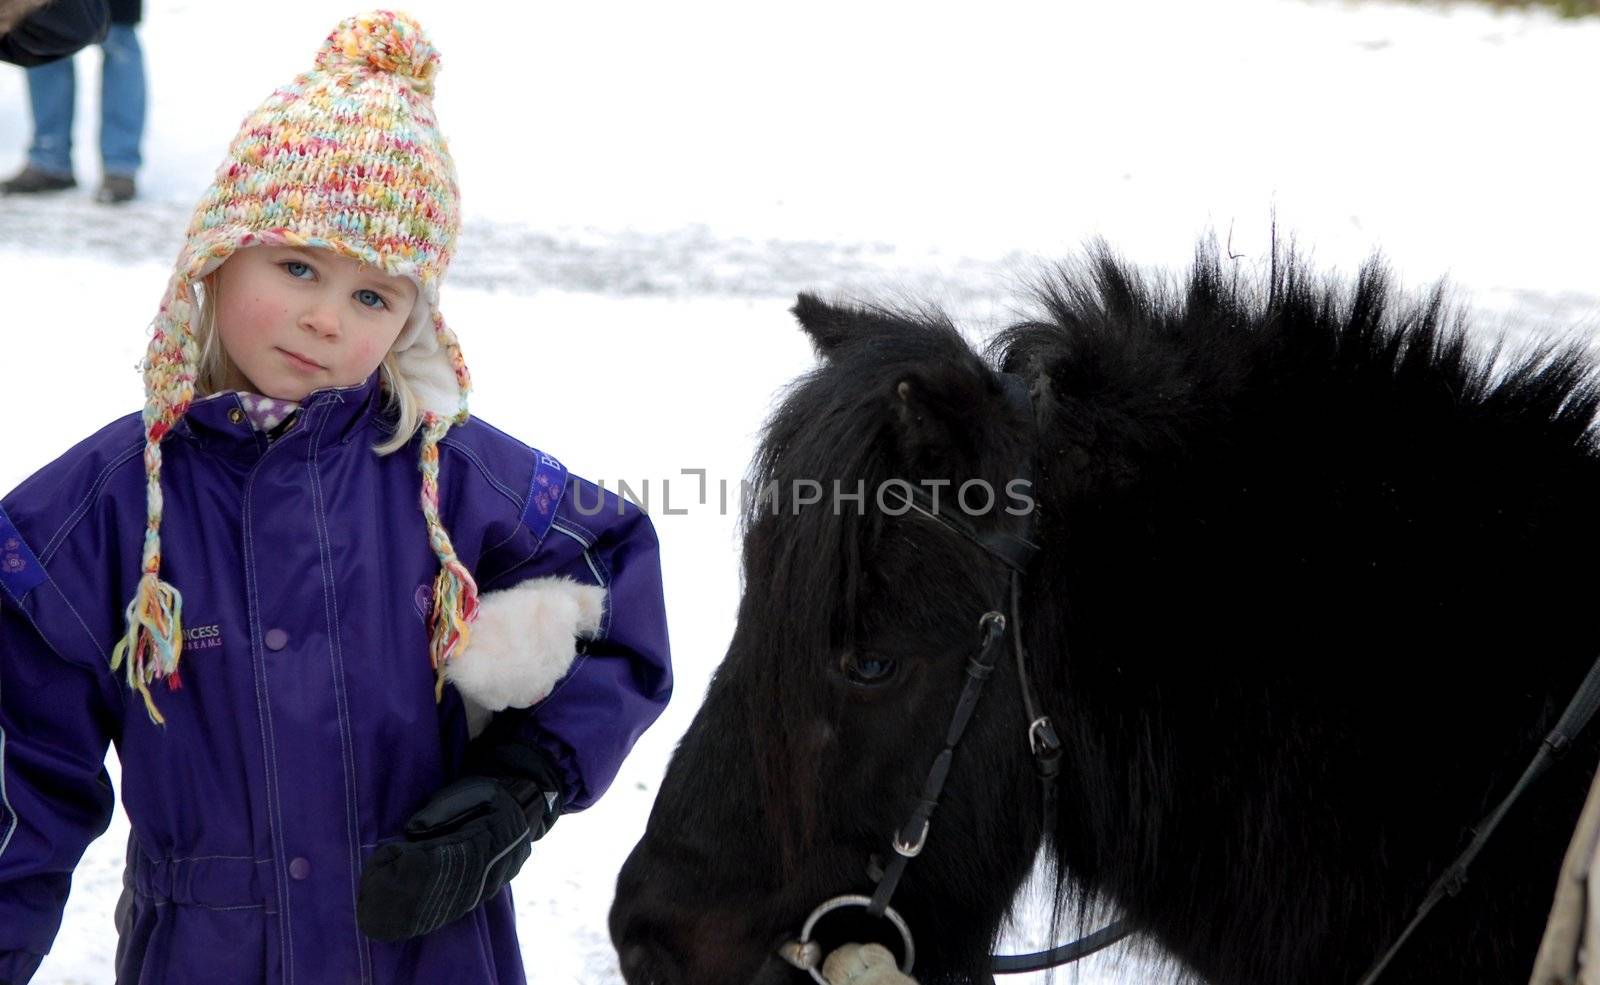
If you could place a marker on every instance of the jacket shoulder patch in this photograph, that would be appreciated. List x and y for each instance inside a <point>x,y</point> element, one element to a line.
<point>20,570</point>
<point>544,495</point>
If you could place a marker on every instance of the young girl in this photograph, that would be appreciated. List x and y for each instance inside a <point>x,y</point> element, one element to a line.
<point>355,648</point>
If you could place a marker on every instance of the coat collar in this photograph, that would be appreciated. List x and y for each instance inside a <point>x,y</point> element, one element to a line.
<point>331,416</point>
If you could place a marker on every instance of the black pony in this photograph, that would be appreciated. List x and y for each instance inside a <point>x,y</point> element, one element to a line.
<point>1315,577</point>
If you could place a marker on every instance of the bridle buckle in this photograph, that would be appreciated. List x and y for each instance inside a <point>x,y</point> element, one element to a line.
<point>914,849</point>
<point>1042,737</point>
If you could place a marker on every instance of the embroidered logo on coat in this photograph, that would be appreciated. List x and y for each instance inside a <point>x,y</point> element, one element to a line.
<point>202,637</point>
<point>423,598</point>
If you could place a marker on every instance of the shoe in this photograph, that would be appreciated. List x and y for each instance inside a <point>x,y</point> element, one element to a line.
<point>115,189</point>
<point>31,180</point>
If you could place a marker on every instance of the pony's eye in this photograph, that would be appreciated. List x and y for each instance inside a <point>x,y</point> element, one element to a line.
<point>866,669</point>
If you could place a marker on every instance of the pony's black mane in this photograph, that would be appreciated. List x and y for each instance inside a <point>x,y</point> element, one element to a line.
<point>1133,356</point>
<point>1189,421</point>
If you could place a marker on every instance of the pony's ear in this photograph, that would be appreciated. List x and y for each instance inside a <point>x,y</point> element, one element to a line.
<point>832,326</point>
<point>827,325</point>
<point>939,412</point>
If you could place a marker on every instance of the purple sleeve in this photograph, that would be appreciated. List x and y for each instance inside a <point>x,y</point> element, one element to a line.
<point>621,679</point>
<point>55,794</point>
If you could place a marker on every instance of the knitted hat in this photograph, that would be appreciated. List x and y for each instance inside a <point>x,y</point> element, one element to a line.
<point>347,158</point>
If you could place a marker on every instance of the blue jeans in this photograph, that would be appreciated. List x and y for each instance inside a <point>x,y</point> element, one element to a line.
<point>52,91</point>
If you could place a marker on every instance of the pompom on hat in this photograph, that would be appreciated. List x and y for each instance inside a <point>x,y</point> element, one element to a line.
<point>348,158</point>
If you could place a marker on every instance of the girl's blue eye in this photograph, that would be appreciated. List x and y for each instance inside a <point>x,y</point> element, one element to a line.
<point>296,269</point>
<point>371,299</point>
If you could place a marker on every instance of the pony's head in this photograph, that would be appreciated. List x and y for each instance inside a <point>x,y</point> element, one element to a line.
<point>859,615</point>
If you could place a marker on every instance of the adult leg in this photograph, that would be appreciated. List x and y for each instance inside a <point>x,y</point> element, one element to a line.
<point>52,88</point>
<point>122,110</point>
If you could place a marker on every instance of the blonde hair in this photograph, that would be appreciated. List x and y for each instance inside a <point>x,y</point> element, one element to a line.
<point>216,373</point>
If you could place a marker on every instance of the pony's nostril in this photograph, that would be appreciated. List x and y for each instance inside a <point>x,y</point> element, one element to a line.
<point>647,963</point>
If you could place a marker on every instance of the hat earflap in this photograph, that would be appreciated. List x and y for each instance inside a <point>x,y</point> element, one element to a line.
<point>153,641</point>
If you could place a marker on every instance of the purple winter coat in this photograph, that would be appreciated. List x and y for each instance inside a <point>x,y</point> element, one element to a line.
<point>306,730</point>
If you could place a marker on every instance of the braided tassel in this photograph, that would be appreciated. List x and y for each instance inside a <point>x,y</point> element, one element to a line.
<point>153,641</point>
<point>455,594</point>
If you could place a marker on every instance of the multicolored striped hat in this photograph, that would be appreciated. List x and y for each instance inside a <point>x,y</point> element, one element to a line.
<point>347,157</point>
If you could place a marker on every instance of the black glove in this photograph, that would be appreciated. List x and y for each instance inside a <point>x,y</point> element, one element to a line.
<point>464,845</point>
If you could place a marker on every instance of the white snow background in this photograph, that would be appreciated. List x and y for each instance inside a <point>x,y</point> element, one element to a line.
<point>646,186</point>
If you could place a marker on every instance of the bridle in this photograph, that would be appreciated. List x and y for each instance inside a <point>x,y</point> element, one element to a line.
<point>1014,552</point>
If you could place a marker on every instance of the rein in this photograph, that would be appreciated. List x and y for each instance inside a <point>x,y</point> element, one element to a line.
<point>909,839</point>
<point>1577,714</point>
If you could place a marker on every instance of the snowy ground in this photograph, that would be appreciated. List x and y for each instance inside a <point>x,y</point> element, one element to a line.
<point>646,187</point>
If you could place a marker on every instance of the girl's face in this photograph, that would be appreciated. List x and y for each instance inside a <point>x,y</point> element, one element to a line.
<point>295,319</point>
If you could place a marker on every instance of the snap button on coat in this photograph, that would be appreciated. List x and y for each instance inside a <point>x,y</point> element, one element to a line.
<point>276,639</point>
<point>299,868</point>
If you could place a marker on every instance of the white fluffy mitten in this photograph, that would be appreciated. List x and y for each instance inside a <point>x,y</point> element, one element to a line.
<point>523,642</point>
<point>863,964</point>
